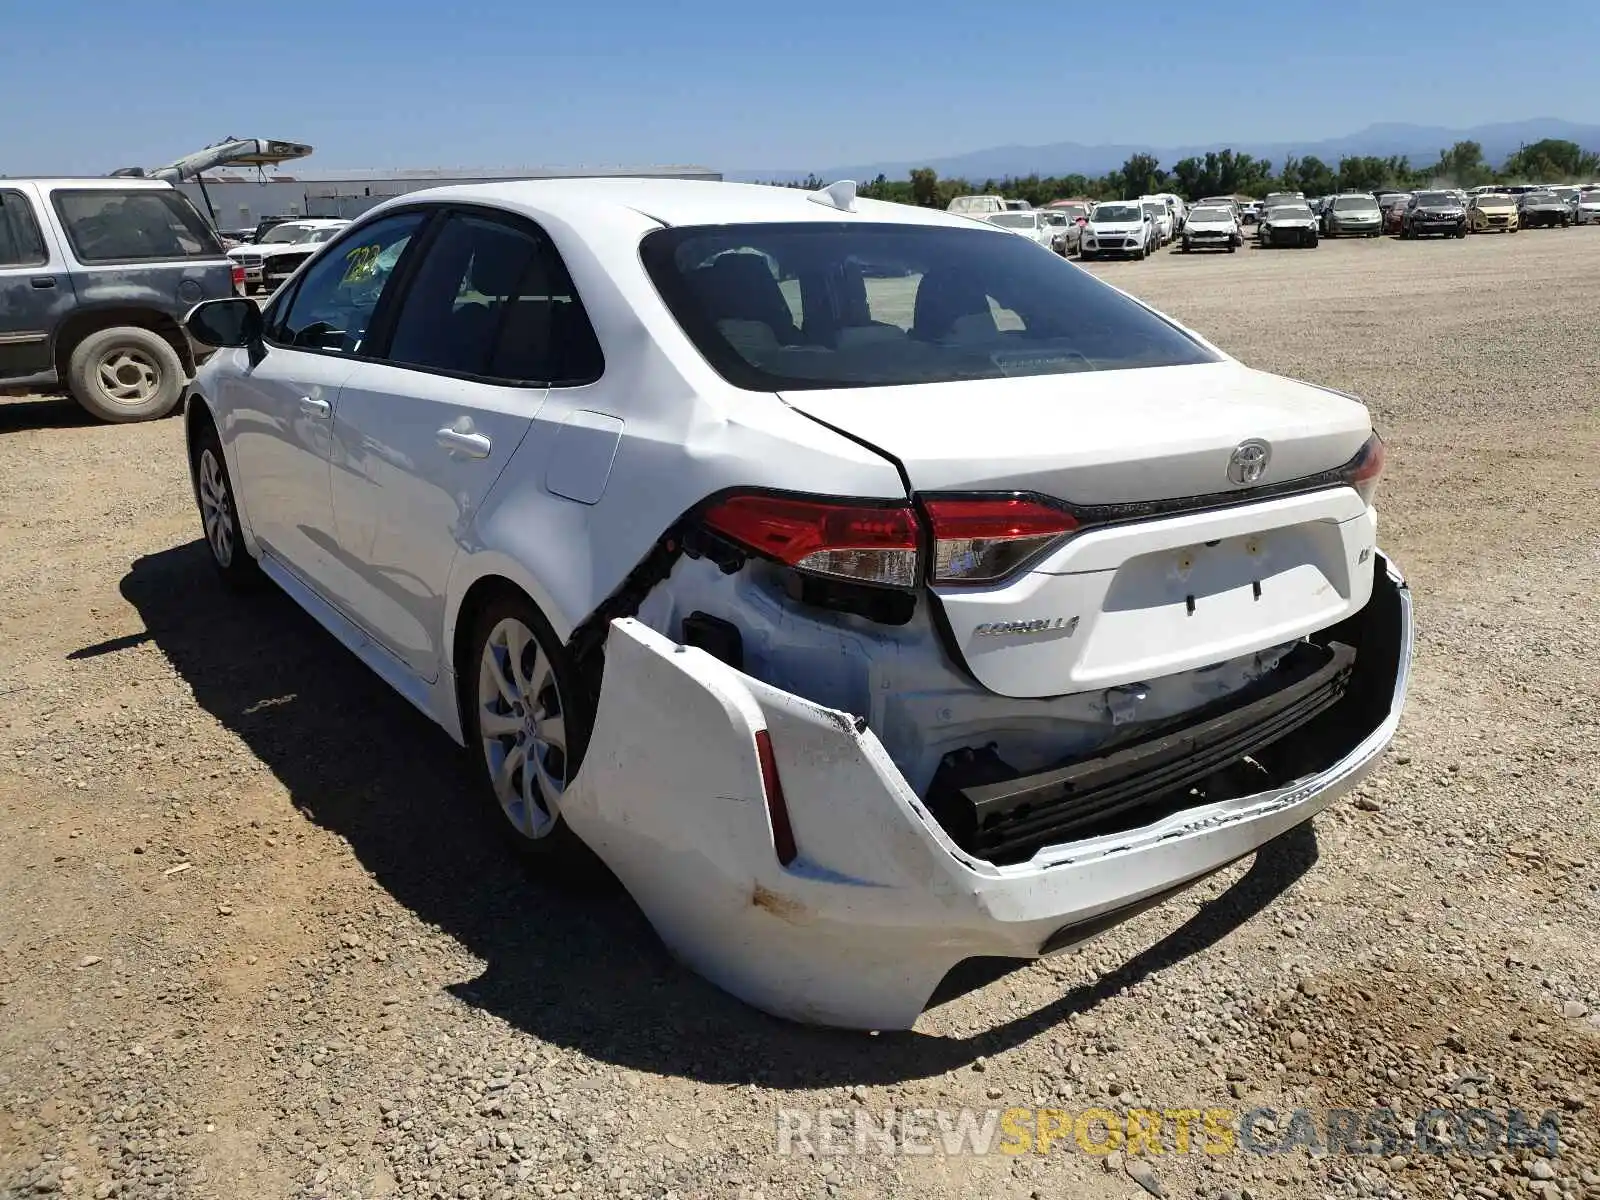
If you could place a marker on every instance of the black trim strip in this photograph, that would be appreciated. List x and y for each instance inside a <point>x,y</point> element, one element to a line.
<point>1013,817</point>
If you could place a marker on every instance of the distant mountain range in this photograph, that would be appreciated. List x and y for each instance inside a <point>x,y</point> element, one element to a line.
<point>1420,143</point>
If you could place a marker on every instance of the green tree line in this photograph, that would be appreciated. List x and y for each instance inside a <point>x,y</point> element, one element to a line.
<point>1225,173</point>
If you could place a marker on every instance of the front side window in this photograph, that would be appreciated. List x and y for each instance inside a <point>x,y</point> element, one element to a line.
<point>493,300</point>
<point>21,243</point>
<point>332,308</point>
<point>134,225</point>
<point>820,305</point>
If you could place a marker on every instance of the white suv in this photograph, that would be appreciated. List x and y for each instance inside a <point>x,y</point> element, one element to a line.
<point>868,589</point>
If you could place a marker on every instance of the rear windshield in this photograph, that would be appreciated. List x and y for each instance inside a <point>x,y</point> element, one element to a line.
<point>778,307</point>
<point>143,225</point>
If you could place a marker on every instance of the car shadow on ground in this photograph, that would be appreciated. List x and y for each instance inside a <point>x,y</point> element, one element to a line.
<point>41,412</point>
<point>575,967</point>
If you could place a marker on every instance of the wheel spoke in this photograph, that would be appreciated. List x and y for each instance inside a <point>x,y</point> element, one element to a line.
<point>552,733</point>
<point>505,777</point>
<point>534,811</point>
<point>497,724</point>
<point>496,668</point>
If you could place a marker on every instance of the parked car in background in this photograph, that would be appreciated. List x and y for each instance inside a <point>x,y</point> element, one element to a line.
<point>1118,228</point>
<point>1212,227</point>
<point>1290,223</point>
<point>1066,223</point>
<point>869,687</point>
<point>1569,195</point>
<point>1161,217</point>
<point>1588,209</point>
<point>976,206</point>
<point>1250,212</point>
<point>1176,208</point>
<point>1393,206</point>
<point>1352,214</point>
<point>1030,224</point>
<point>95,278</point>
<point>1230,201</point>
<point>1492,212</point>
<point>1429,213</point>
<point>1282,199</point>
<point>266,224</point>
<point>280,252</point>
<point>1546,210</point>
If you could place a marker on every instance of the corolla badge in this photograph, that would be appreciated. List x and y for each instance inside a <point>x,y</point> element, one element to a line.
<point>1065,626</point>
<point>1248,462</point>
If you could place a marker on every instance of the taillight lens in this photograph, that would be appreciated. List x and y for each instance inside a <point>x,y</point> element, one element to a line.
<point>1366,469</point>
<point>238,279</point>
<point>980,541</point>
<point>866,544</point>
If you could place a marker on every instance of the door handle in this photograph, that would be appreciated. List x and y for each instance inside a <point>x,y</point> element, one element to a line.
<point>473,445</point>
<point>315,408</point>
<point>43,282</point>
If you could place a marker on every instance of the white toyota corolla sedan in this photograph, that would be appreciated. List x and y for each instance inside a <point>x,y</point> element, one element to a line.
<point>868,587</point>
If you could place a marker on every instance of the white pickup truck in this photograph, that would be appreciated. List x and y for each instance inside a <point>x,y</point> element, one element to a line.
<point>280,252</point>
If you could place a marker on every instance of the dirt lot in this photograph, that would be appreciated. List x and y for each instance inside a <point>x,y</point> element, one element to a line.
<point>255,941</point>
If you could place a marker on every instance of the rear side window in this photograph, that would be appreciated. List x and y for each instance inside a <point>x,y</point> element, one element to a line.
<point>21,243</point>
<point>134,225</point>
<point>492,300</point>
<point>777,307</point>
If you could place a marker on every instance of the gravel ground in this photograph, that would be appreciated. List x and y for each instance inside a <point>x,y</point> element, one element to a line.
<point>256,943</point>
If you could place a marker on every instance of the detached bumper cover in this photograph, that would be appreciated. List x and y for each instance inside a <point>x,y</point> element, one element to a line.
<point>880,904</point>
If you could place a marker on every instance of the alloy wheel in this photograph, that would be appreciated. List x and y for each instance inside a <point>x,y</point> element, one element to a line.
<point>522,722</point>
<point>216,510</point>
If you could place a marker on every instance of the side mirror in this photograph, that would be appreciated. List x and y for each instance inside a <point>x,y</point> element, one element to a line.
<point>232,322</point>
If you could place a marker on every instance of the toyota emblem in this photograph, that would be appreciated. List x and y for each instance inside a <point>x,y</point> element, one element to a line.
<point>1248,462</point>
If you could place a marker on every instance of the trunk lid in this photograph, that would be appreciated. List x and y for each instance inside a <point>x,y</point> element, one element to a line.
<point>1097,437</point>
<point>1128,601</point>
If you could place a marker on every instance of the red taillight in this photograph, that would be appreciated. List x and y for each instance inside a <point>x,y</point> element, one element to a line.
<point>980,541</point>
<point>845,541</point>
<point>1366,469</point>
<point>238,278</point>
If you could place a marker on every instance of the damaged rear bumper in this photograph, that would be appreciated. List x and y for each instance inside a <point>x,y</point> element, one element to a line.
<point>879,902</point>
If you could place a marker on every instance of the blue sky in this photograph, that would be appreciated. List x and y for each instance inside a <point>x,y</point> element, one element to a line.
<point>90,85</point>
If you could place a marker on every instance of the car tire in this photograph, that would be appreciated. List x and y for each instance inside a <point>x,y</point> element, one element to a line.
<point>1231,247</point>
<point>524,706</point>
<point>125,373</point>
<point>219,510</point>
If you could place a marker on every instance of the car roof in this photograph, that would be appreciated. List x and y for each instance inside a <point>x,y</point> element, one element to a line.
<point>580,202</point>
<point>90,182</point>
